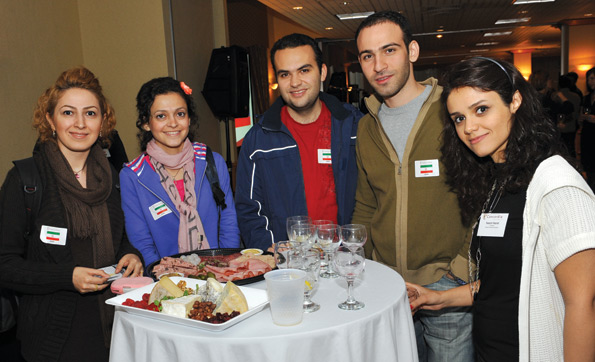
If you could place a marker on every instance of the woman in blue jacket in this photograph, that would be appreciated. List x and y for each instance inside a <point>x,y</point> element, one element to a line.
<point>167,199</point>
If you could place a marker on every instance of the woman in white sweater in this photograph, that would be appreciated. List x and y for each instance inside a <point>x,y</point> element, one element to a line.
<point>532,254</point>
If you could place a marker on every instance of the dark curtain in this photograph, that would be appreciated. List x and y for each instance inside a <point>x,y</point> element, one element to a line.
<point>259,78</point>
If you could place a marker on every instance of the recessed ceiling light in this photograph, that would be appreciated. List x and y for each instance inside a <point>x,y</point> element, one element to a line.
<point>329,28</point>
<point>354,15</point>
<point>478,50</point>
<point>298,7</point>
<point>588,15</point>
<point>439,36</point>
<point>486,44</point>
<point>439,30</point>
<point>512,21</point>
<point>498,33</point>
<point>520,2</point>
<point>345,3</point>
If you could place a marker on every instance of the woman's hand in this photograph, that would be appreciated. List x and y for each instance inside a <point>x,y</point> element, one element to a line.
<point>88,280</point>
<point>424,298</point>
<point>134,267</point>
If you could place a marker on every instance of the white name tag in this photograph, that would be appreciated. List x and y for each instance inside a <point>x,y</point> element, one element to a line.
<point>324,156</point>
<point>107,153</point>
<point>53,235</point>
<point>159,210</point>
<point>492,225</point>
<point>427,168</point>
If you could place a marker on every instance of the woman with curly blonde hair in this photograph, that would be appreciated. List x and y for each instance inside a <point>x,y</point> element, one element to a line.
<point>78,228</point>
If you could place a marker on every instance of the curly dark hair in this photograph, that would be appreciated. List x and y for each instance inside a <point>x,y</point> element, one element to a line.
<point>533,137</point>
<point>293,41</point>
<point>144,101</point>
<point>390,17</point>
<point>78,77</point>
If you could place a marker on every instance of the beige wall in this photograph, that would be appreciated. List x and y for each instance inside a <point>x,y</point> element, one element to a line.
<point>38,40</point>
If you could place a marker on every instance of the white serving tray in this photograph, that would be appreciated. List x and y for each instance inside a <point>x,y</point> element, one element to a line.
<point>257,300</point>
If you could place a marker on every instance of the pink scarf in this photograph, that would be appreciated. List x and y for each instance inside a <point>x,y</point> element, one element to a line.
<point>191,234</point>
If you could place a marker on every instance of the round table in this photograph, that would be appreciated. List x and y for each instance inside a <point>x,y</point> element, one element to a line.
<point>382,331</point>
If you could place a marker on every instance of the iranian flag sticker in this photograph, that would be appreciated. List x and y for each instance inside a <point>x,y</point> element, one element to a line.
<point>427,168</point>
<point>53,235</point>
<point>158,210</point>
<point>324,156</point>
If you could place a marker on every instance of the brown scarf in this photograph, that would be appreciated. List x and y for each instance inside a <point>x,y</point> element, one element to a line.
<point>87,215</point>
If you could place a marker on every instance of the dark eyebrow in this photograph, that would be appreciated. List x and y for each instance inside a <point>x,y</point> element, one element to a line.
<point>382,48</point>
<point>300,68</point>
<point>470,107</point>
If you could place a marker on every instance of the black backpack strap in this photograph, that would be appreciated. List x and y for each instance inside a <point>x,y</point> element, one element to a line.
<point>32,188</point>
<point>213,178</point>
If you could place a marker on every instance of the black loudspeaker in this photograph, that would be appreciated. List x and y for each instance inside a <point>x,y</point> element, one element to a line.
<point>226,87</point>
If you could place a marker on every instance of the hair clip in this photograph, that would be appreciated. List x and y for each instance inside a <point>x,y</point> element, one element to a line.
<point>185,88</point>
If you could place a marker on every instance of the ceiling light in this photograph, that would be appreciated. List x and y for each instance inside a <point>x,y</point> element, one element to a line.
<point>439,36</point>
<point>486,44</point>
<point>354,15</point>
<point>588,15</point>
<point>512,21</point>
<point>478,50</point>
<point>439,30</point>
<point>345,3</point>
<point>298,7</point>
<point>328,28</point>
<point>500,33</point>
<point>520,2</point>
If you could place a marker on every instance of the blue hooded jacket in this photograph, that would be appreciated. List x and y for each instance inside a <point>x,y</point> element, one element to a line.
<point>270,183</point>
<point>157,236</point>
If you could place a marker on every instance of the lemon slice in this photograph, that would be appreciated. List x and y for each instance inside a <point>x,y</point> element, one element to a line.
<point>308,285</point>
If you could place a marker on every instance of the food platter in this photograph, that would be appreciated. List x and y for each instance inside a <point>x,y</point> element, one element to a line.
<point>213,252</point>
<point>257,299</point>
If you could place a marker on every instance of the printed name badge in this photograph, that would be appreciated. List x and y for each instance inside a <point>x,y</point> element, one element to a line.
<point>324,156</point>
<point>492,225</point>
<point>107,153</point>
<point>158,210</point>
<point>53,235</point>
<point>427,168</point>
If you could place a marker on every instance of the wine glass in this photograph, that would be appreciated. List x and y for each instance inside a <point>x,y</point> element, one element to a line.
<point>349,263</point>
<point>303,236</point>
<point>353,235</point>
<point>282,251</point>
<point>308,261</point>
<point>323,261</point>
<point>296,220</point>
<point>327,237</point>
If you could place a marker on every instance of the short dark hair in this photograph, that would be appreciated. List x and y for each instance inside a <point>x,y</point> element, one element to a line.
<point>391,17</point>
<point>589,72</point>
<point>144,101</point>
<point>293,41</point>
<point>573,76</point>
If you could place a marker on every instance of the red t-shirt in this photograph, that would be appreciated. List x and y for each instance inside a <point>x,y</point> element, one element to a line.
<point>314,143</point>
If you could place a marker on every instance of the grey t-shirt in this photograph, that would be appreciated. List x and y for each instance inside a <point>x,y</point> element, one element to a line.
<point>397,122</point>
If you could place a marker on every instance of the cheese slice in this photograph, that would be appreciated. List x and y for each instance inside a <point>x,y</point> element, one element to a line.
<point>165,287</point>
<point>179,307</point>
<point>231,299</point>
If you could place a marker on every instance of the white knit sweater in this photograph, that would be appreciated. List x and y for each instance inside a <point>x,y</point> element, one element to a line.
<point>558,221</point>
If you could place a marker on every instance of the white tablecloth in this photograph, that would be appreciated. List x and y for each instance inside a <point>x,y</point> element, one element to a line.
<point>382,331</point>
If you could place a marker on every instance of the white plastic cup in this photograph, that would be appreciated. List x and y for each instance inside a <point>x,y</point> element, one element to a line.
<point>285,288</point>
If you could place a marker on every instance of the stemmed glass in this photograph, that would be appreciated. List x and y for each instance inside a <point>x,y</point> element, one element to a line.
<point>303,235</point>
<point>296,220</point>
<point>308,261</point>
<point>328,238</point>
<point>353,235</point>
<point>349,263</point>
<point>283,249</point>
<point>323,259</point>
